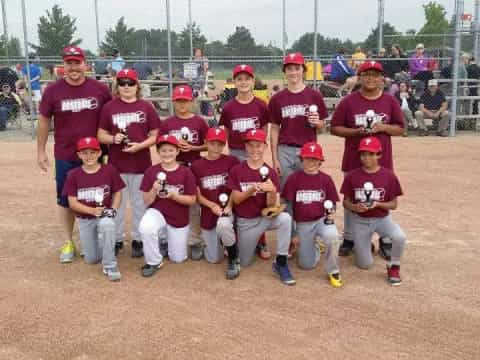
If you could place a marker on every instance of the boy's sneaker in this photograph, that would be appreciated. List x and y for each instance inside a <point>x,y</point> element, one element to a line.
<point>346,248</point>
<point>113,273</point>
<point>196,252</point>
<point>233,269</point>
<point>335,280</point>
<point>263,252</point>
<point>118,247</point>
<point>393,273</point>
<point>137,249</point>
<point>67,252</point>
<point>285,276</point>
<point>385,249</point>
<point>149,270</point>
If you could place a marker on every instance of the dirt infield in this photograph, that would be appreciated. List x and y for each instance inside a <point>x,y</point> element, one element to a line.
<point>189,311</point>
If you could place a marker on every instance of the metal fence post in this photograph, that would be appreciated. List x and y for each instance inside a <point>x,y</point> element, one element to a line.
<point>456,60</point>
<point>284,27</point>
<point>191,30</point>
<point>5,30</point>
<point>381,10</point>
<point>315,34</point>
<point>33,111</point>
<point>476,30</point>
<point>97,26</point>
<point>169,49</point>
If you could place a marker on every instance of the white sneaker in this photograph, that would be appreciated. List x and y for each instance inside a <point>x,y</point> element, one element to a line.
<point>113,273</point>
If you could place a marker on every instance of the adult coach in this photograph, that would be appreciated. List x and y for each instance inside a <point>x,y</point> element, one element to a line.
<point>364,112</point>
<point>74,103</point>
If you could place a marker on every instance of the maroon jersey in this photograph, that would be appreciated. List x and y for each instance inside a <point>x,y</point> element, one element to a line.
<point>212,178</point>
<point>241,178</point>
<point>307,194</point>
<point>180,180</point>
<point>238,118</point>
<point>140,118</point>
<point>75,111</point>
<point>290,111</point>
<point>88,188</point>
<point>386,187</point>
<point>351,113</point>
<point>197,131</point>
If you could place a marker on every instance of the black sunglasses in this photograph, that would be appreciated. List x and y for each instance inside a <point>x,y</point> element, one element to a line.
<point>126,82</point>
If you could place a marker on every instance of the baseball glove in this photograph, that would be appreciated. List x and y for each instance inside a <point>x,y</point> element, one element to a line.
<point>273,211</point>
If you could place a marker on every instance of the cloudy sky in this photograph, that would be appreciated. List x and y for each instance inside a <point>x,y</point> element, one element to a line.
<point>352,19</point>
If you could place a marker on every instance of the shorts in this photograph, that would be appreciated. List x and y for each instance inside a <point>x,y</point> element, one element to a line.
<point>37,95</point>
<point>62,167</point>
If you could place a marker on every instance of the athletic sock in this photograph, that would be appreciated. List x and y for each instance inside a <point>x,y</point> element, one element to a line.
<point>281,260</point>
<point>232,252</point>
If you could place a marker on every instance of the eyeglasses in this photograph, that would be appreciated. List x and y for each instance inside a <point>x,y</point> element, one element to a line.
<point>126,82</point>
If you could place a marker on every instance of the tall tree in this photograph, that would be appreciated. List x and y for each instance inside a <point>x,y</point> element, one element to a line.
<point>241,42</point>
<point>14,48</point>
<point>435,23</point>
<point>199,40</point>
<point>55,31</point>
<point>121,38</point>
<point>371,42</point>
<point>325,45</point>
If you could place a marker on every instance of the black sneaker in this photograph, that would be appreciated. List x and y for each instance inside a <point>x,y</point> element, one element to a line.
<point>149,270</point>
<point>118,247</point>
<point>385,249</point>
<point>137,249</point>
<point>233,269</point>
<point>346,248</point>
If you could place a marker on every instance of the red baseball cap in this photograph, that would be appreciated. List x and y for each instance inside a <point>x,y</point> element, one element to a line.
<point>88,143</point>
<point>182,92</point>
<point>370,65</point>
<point>243,68</point>
<point>127,74</point>
<point>255,135</point>
<point>294,58</point>
<point>73,53</point>
<point>167,139</point>
<point>216,134</point>
<point>312,150</point>
<point>370,144</point>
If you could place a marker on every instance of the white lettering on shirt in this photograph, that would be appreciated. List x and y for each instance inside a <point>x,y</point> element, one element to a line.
<point>292,111</point>
<point>377,195</point>
<point>77,105</point>
<point>128,118</point>
<point>214,181</point>
<point>245,124</point>
<point>309,196</point>
<point>88,194</point>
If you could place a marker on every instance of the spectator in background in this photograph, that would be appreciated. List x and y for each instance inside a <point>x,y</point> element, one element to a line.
<point>9,104</point>
<point>8,76</point>
<point>342,73</point>
<point>118,63</point>
<point>433,105</point>
<point>144,71</point>
<point>408,104</point>
<point>418,64</point>
<point>397,65</point>
<point>473,72</point>
<point>202,68</point>
<point>447,70</point>
<point>358,57</point>
<point>101,66</point>
<point>35,75</point>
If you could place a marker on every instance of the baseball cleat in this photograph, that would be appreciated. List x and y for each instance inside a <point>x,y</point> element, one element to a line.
<point>148,270</point>
<point>67,252</point>
<point>393,275</point>
<point>346,248</point>
<point>335,280</point>
<point>263,252</point>
<point>284,273</point>
<point>233,269</point>
<point>137,249</point>
<point>196,252</point>
<point>112,273</point>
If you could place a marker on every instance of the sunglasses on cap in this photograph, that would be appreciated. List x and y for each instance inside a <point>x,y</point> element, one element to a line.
<point>126,82</point>
<point>72,52</point>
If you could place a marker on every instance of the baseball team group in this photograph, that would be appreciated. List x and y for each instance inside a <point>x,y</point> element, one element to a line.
<point>190,199</point>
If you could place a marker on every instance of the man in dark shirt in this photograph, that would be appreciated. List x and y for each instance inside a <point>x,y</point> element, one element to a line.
<point>8,76</point>
<point>8,105</point>
<point>433,105</point>
<point>473,72</point>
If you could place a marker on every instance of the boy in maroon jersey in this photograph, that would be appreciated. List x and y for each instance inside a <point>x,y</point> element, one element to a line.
<point>370,192</point>
<point>168,191</point>
<point>190,130</point>
<point>216,219</point>
<point>256,186</point>
<point>94,194</point>
<point>309,193</point>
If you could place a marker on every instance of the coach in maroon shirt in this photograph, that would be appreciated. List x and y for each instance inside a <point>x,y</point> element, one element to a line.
<point>364,112</point>
<point>74,103</point>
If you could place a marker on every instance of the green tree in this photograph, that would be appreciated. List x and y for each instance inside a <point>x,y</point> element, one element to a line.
<point>14,48</point>
<point>199,40</point>
<point>241,42</point>
<point>55,31</point>
<point>216,48</point>
<point>435,23</point>
<point>121,37</point>
<point>371,42</point>
<point>325,46</point>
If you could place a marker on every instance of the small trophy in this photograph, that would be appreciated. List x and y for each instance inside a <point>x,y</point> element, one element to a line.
<point>312,109</point>
<point>122,126</point>
<point>264,173</point>
<point>162,179</point>
<point>99,200</point>
<point>329,210</point>
<point>185,133</point>
<point>368,190</point>
<point>370,118</point>
<point>223,198</point>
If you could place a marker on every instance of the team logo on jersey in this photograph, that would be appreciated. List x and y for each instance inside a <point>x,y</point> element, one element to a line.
<point>361,119</point>
<point>378,194</point>
<point>309,196</point>
<point>174,188</point>
<point>292,111</point>
<point>91,193</point>
<point>125,119</point>
<point>77,105</point>
<point>193,136</point>
<point>245,124</point>
<point>213,182</point>
<point>245,186</point>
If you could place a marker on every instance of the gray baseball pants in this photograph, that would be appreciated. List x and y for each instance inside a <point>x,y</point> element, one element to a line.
<point>133,193</point>
<point>97,237</point>
<point>215,239</point>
